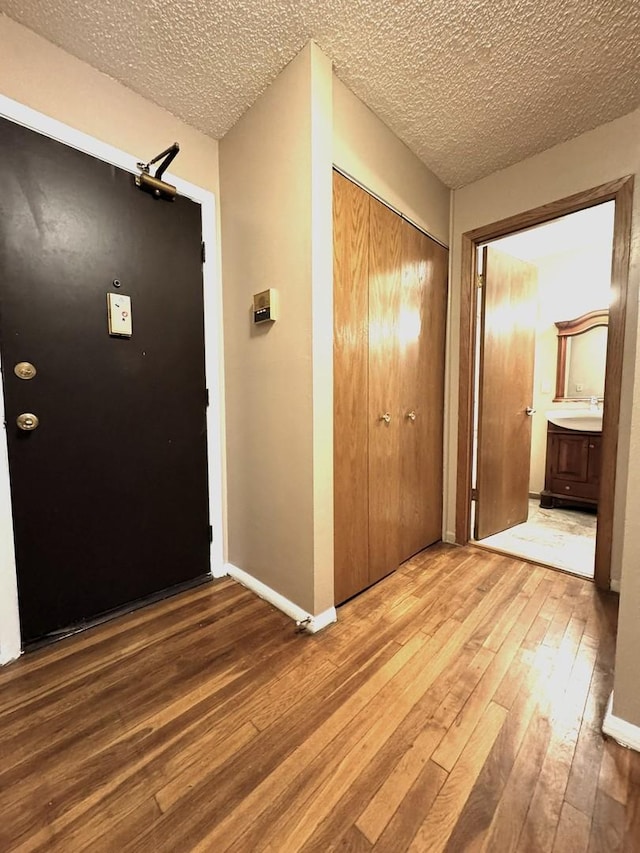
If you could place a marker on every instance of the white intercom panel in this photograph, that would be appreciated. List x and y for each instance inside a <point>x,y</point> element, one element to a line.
<point>119,308</point>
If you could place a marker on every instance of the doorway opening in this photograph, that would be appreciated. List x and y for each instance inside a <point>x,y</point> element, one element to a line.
<point>542,324</point>
<point>619,191</point>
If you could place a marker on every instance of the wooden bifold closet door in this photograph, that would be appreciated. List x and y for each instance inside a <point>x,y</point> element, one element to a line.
<point>350,387</point>
<point>390,287</point>
<point>422,329</point>
<point>385,280</point>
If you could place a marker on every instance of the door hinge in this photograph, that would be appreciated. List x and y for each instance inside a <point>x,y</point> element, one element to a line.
<point>480,280</point>
<point>474,494</point>
<point>206,398</point>
<point>210,533</point>
<point>203,251</point>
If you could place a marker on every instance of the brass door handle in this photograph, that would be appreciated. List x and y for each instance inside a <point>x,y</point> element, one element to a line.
<point>386,417</point>
<point>24,370</point>
<point>27,421</point>
<point>411,416</point>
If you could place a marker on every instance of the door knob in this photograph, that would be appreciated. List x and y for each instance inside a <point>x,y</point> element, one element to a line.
<point>411,416</point>
<point>24,370</point>
<point>27,421</point>
<point>386,417</point>
<point>530,411</point>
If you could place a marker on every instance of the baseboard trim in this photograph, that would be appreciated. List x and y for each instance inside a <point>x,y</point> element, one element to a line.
<point>219,570</point>
<point>7,655</point>
<point>624,733</point>
<point>321,620</point>
<point>310,623</point>
<point>614,585</point>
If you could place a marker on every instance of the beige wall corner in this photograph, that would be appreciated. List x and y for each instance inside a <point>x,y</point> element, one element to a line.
<point>273,196</point>
<point>365,148</point>
<point>604,154</point>
<point>42,76</point>
<point>322,324</point>
<point>626,696</point>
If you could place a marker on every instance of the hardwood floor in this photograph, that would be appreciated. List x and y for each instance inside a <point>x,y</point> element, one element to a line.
<point>456,706</point>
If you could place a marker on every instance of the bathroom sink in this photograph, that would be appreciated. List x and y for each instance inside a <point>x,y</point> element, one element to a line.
<point>585,420</point>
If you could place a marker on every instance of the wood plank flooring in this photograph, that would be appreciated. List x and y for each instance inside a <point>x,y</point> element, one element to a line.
<point>456,706</point>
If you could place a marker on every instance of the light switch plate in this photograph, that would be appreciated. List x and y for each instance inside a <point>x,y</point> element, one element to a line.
<point>119,309</point>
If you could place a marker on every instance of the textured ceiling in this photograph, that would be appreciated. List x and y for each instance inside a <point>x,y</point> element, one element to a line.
<point>470,86</point>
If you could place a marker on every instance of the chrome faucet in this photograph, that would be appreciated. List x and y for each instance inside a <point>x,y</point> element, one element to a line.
<point>594,403</point>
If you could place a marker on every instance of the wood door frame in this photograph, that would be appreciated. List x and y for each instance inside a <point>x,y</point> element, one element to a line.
<point>10,638</point>
<point>621,192</point>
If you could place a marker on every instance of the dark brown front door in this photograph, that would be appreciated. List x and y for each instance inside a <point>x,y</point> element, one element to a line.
<point>109,492</point>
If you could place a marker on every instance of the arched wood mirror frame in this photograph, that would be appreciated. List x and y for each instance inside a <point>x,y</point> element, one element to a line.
<point>566,330</point>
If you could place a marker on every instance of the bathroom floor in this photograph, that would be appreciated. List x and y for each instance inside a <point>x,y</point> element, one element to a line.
<point>564,538</point>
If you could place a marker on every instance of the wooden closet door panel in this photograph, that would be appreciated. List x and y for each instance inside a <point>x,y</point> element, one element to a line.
<point>385,282</point>
<point>421,334</point>
<point>350,366</point>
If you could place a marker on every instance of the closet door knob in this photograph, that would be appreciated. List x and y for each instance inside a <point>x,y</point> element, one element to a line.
<point>411,416</point>
<point>386,417</point>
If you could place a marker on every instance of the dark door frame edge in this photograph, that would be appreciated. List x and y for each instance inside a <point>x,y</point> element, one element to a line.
<point>621,192</point>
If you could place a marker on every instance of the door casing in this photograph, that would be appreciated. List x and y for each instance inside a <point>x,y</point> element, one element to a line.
<point>10,640</point>
<point>621,192</point>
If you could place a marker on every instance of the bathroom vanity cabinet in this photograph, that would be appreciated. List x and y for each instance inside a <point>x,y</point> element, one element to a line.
<point>572,475</point>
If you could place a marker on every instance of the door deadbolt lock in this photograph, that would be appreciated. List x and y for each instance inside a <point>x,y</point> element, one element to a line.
<point>24,370</point>
<point>27,421</point>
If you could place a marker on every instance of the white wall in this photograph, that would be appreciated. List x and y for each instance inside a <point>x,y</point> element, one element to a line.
<point>275,170</point>
<point>365,148</point>
<point>606,153</point>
